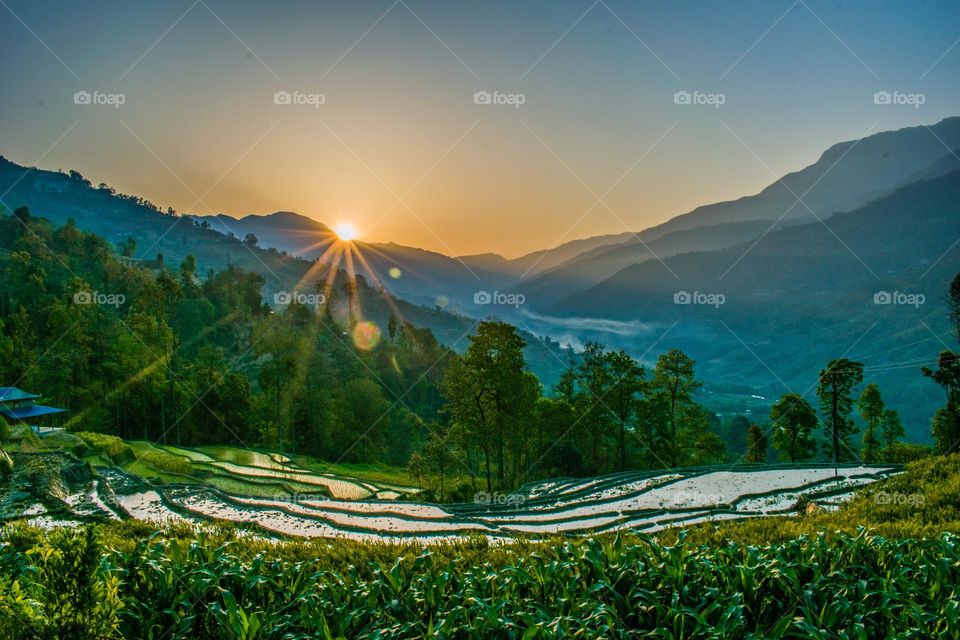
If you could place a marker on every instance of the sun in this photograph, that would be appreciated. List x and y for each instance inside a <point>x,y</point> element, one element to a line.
<point>345,231</point>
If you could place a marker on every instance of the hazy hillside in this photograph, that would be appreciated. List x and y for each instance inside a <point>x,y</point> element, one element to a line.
<point>801,297</point>
<point>531,264</point>
<point>424,276</point>
<point>116,217</point>
<point>598,264</point>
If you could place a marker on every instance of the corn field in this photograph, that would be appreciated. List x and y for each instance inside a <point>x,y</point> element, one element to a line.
<point>848,586</point>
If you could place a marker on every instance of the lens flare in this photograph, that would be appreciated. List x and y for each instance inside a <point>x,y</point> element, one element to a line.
<point>366,335</point>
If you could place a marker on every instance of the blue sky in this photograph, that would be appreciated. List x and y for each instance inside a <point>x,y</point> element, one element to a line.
<point>399,146</point>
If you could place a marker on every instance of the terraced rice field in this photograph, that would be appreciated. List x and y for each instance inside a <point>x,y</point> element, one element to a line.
<point>646,501</point>
<point>237,471</point>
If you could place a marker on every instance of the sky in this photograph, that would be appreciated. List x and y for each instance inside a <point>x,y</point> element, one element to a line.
<point>374,112</point>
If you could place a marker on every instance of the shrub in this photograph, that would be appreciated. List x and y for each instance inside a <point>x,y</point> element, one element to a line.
<point>164,461</point>
<point>6,465</point>
<point>904,452</point>
<point>111,446</point>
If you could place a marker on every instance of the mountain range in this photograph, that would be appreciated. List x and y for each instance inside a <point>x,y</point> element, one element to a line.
<point>797,265</point>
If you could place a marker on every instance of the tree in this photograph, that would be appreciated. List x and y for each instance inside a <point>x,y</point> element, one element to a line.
<point>836,383</point>
<point>734,434</point>
<point>870,406</point>
<point>417,469</point>
<point>953,303</point>
<point>626,383</point>
<point>794,421</point>
<point>946,435</point>
<point>756,444</point>
<point>250,240</point>
<point>129,247</point>
<point>23,215</point>
<point>679,420</point>
<point>188,268</point>
<point>946,421</point>
<point>489,393</point>
<point>891,429</point>
<point>593,382</point>
<point>439,457</point>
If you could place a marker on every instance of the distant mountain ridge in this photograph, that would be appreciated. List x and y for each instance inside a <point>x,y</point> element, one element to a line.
<point>805,294</point>
<point>846,176</point>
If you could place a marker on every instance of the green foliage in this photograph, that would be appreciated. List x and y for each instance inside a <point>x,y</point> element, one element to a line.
<point>191,361</point>
<point>490,400</point>
<point>756,444</point>
<point>613,587</point>
<point>770,577</point>
<point>64,587</point>
<point>113,447</point>
<point>6,465</point>
<point>794,421</point>
<point>163,461</point>
<point>946,421</point>
<point>870,406</point>
<point>904,452</point>
<point>836,383</point>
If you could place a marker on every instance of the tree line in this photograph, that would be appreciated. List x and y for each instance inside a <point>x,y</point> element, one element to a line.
<point>189,359</point>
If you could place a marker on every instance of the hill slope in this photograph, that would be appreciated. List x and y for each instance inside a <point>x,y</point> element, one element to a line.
<point>805,294</point>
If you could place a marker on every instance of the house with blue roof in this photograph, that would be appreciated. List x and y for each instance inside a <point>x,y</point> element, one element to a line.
<point>20,407</point>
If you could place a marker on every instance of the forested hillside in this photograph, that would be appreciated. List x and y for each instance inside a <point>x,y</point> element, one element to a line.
<point>154,351</point>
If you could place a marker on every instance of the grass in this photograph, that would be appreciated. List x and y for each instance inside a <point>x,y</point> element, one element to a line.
<point>148,472</point>
<point>149,455</point>
<point>371,472</point>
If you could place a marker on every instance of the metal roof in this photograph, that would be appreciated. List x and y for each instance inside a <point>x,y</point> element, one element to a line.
<point>12,394</point>
<point>22,413</point>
